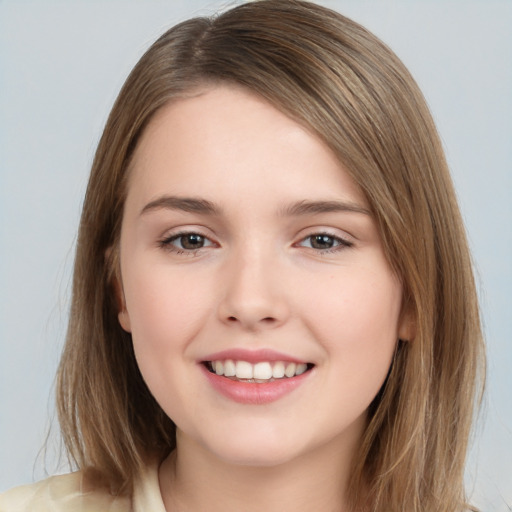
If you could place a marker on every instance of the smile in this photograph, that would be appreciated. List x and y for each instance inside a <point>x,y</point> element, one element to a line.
<point>260,372</point>
<point>265,378</point>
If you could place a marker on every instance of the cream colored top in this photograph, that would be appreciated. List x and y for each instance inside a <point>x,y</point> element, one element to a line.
<point>69,493</point>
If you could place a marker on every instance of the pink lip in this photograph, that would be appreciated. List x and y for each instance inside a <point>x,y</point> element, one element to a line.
<point>251,356</point>
<point>252,392</point>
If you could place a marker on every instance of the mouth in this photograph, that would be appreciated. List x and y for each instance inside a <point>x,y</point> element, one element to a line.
<point>260,373</point>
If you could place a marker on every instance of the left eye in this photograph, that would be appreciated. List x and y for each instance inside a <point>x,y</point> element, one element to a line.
<point>187,241</point>
<point>322,241</point>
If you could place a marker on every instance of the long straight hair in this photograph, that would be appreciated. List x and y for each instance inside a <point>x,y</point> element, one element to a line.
<point>338,80</point>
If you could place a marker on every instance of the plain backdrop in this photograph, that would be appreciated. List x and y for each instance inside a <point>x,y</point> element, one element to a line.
<point>61,66</point>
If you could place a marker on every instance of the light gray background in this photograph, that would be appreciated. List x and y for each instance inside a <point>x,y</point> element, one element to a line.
<point>61,66</point>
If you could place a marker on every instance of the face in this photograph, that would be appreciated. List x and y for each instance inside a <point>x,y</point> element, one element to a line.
<point>263,312</point>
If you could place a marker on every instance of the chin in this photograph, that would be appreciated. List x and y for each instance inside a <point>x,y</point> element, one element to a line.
<point>256,449</point>
<point>261,458</point>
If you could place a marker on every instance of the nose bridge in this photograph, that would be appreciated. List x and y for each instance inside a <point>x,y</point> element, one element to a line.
<point>253,296</point>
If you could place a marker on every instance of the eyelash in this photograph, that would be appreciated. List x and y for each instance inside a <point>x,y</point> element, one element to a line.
<point>167,243</point>
<point>342,243</point>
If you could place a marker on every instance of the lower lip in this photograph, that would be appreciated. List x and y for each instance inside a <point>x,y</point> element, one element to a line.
<point>253,392</point>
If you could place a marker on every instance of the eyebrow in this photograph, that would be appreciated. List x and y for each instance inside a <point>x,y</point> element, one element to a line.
<point>205,207</point>
<point>316,207</point>
<point>186,204</point>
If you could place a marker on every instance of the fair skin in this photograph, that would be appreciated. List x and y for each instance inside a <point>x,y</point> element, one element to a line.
<point>275,258</point>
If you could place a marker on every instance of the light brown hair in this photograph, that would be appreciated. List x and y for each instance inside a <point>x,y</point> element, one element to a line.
<point>334,77</point>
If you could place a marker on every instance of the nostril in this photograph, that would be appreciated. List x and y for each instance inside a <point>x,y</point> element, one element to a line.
<point>251,321</point>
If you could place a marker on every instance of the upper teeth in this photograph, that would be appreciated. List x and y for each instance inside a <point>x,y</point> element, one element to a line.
<point>259,371</point>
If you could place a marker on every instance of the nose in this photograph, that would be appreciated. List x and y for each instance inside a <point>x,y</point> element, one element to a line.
<point>254,297</point>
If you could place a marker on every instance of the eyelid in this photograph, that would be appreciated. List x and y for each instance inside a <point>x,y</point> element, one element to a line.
<point>344,241</point>
<point>187,229</point>
<point>165,242</point>
<point>177,236</point>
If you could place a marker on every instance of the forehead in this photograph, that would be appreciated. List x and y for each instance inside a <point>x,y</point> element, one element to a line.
<point>227,138</point>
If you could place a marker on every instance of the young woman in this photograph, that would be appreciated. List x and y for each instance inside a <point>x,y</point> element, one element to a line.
<point>273,302</point>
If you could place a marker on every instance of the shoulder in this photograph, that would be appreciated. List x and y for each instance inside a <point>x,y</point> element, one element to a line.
<point>65,493</point>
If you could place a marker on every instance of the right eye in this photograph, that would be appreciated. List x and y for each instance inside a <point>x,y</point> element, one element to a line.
<point>186,242</point>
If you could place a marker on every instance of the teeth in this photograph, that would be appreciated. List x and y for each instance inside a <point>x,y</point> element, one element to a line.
<point>219,368</point>
<point>263,371</point>
<point>278,370</point>
<point>244,370</point>
<point>301,368</point>
<point>229,368</point>
<point>290,369</point>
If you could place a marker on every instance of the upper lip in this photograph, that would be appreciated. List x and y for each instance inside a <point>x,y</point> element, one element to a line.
<point>252,356</point>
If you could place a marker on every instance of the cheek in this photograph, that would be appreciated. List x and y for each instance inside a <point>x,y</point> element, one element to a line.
<point>357,322</point>
<point>360,299</point>
<point>166,313</point>
<point>166,310</point>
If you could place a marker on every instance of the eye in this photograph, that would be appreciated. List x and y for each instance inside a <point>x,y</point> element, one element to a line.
<point>324,242</point>
<point>186,242</point>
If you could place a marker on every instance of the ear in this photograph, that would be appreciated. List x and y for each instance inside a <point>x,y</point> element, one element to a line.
<point>117,285</point>
<point>123,315</point>
<point>407,325</point>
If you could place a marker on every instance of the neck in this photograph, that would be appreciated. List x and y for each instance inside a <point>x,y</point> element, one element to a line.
<point>192,479</point>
